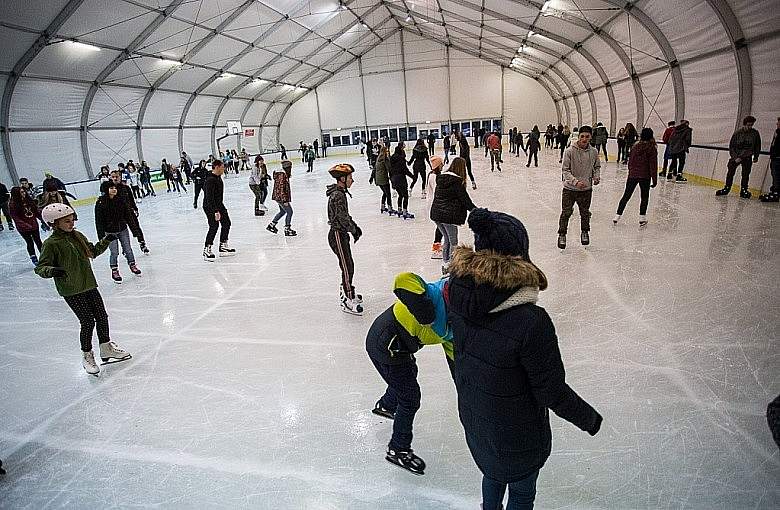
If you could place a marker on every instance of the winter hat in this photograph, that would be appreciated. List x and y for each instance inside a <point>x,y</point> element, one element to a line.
<point>499,232</point>
<point>437,162</point>
<point>286,164</point>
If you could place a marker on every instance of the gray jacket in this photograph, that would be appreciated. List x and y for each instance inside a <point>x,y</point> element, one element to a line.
<point>580,165</point>
<point>745,143</point>
<point>600,135</point>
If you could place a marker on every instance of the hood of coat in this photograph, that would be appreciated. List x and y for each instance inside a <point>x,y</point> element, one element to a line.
<point>682,128</point>
<point>643,148</point>
<point>448,180</point>
<point>420,149</point>
<point>333,188</point>
<point>485,281</point>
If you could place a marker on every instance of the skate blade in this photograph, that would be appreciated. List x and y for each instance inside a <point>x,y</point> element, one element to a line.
<point>351,312</point>
<point>223,254</point>
<point>383,414</point>
<point>111,361</point>
<point>395,463</point>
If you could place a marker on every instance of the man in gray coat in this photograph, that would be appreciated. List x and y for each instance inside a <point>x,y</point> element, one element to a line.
<point>599,141</point>
<point>744,148</point>
<point>581,171</point>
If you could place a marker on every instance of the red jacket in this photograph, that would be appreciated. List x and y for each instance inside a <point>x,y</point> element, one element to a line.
<point>643,162</point>
<point>493,142</point>
<point>25,215</point>
<point>667,134</point>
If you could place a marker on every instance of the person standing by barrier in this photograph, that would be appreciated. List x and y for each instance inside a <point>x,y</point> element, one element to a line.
<point>600,138</point>
<point>679,143</point>
<point>199,175</point>
<point>665,138</point>
<point>774,166</point>
<point>744,148</point>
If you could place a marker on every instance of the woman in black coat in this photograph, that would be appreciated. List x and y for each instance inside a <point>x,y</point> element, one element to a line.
<point>451,203</point>
<point>508,368</point>
<point>418,160</point>
<point>398,174</point>
<point>113,216</point>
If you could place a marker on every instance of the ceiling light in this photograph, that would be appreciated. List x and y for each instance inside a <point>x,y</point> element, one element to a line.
<point>83,46</point>
<point>427,121</point>
<point>172,62</point>
<point>227,75</point>
<point>545,6</point>
<point>531,33</point>
<point>408,16</point>
<point>342,6</point>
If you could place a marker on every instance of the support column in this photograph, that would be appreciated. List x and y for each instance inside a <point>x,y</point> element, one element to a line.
<point>403,72</point>
<point>503,125</point>
<point>319,115</point>
<point>449,92</point>
<point>363,94</point>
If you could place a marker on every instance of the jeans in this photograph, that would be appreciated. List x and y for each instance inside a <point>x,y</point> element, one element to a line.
<point>644,186</point>
<point>446,154</point>
<point>127,248</point>
<point>677,164</point>
<point>568,199</point>
<point>495,158</point>
<point>450,236</point>
<point>627,151</point>
<point>521,493</point>
<point>224,222</point>
<point>33,239</point>
<point>402,397</point>
<point>339,244</point>
<point>90,310</point>
<point>179,185</point>
<point>621,150</point>
<point>666,157</point>
<point>284,208</point>
<point>747,165</point>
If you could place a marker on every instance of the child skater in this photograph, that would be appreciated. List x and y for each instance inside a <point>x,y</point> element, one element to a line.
<point>283,196</point>
<point>66,257</point>
<point>437,164</point>
<point>341,225</point>
<point>417,318</point>
<point>25,214</point>
<point>258,183</point>
<point>112,215</point>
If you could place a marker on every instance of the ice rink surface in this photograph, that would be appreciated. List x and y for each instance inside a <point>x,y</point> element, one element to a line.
<point>249,388</point>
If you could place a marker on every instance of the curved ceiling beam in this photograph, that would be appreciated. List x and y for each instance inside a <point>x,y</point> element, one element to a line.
<point>110,68</point>
<point>741,57</point>
<point>566,114</point>
<point>5,105</point>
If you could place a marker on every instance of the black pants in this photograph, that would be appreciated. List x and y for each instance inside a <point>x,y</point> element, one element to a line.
<point>418,173</point>
<point>135,228</point>
<point>402,397</point>
<point>198,189</point>
<point>568,199</point>
<point>403,193</point>
<point>179,185</point>
<point>168,182</point>
<point>599,147</point>
<point>339,243</point>
<point>627,151</point>
<point>747,165</point>
<point>437,236</point>
<point>644,187</point>
<point>387,196</point>
<point>621,150</point>
<point>533,153</point>
<point>468,167</point>
<point>446,154</point>
<point>430,149</point>
<point>224,221</point>
<point>311,165</point>
<point>677,164</point>
<point>136,192</point>
<point>90,310</point>
<point>32,239</point>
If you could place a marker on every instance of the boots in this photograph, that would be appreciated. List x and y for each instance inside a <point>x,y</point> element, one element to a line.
<point>745,193</point>
<point>584,238</point>
<point>111,351</point>
<point>115,275</point>
<point>225,250</point>
<point>289,232</point>
<point>88,362</point>
<point>134,269</point>
<point>562,241</point>
<point>616,219</point>
<point>772,196</point>
<point>436,253</point>
<point>723,192</point>
<point>208,256</point>
<point>272,228</point>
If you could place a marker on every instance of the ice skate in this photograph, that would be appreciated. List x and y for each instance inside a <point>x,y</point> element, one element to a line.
<point>88,362</point>
<point>272,228</point>
<point>358,297</point>
<point>134,269</point>
<point>144,249</point>
<point>772,196</point>
<point>381,411</point>
<point>562,241</point>
<point>445,269</point>
<point>110,352</point>
<point>407,460</point>
<point>225,250</point>
<point>350,306</point>
<point>723,192</point>
<point>473,185</point>
<point>34,260</point>
<point>407,215</point>
<point>584,238</point>
<point>11,227</point>
<point>669,176</point>
<point>383,210</point>
<point>680,179</point>
<point>392,212</point>
<point>745,193</point>
<point>208,255</point>
<point>289,232</point>
<point>258,212</point>
<point>115,275</point>
<point>662,173</point>
<point>616,219</point>
<point>2,471</point>
<point>436,253</point>
<point>423,195</point>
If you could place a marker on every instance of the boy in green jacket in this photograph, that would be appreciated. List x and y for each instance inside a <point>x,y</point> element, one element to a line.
<point>66,256</point>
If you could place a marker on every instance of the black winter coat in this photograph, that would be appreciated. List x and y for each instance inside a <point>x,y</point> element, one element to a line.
<point>111,215</point>
<point>419,157</point>
<point>398,170</point>
<point>451,202</point>
<point>508,368</point>
<point>213,193</point>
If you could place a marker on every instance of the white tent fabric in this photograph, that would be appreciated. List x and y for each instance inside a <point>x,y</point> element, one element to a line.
<point>90,82</point>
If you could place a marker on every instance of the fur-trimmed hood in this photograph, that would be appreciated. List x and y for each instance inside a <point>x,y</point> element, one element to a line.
<point>485,281</point>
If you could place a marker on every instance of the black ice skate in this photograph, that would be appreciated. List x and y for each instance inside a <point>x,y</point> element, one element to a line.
<point>208,255</point>
<point>115,275</point>
<point>772,196</point>
<point>144,249</point>
<point>225,250</point>
<point>272,228</point>
<point>110,353</point>
<point>289,232</point>
<point>381,411</point>
<point>584,238</point>
<point>407,460</point>
<point>351,306</point>
<point>2,471</point>
<point>745,193</point>
<point>562,241</point>
<point>358,297</point>
<point>723,192</point>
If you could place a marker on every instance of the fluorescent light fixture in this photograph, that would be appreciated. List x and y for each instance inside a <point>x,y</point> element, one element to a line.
<point>408,16</point>
<point>545,6</point>
<point>531,33</point>
<point>427,121</point>
<point>258,80</point>
<point>227,75</point>
<point>172,62</point>
<point>83,46</point>
<point>342,6</point>
<point>338,129</point>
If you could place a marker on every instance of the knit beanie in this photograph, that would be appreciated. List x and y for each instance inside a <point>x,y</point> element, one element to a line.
<point>499,232</point>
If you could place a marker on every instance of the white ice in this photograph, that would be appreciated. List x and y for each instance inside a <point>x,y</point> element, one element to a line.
<point>249,388</point>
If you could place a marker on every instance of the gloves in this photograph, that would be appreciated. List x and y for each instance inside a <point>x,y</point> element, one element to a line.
<point>58,272</point>
<point>357,234</point>
<point>654,185</point>
<point>111,237</point>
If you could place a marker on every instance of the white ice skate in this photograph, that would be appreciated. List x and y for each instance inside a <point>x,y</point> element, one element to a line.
<point>110,352</point>
<point>352,307</point>
<point>225,250</point>
<point>88,362</point>
<point>358,297</point>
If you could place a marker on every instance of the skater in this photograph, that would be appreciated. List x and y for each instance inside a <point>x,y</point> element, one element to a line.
<point>744,149</point>
<point>380,176</point>
<point>66,257</point>
<point>284,151</point>
<point>642,166</point>
<point>465,153</point>
<point>134,181</point>
<point>508,366</point>
<point>341,225</point>
<point>534,144</point>
<point>185,164</point>
<point>258,183</point>
<point>446,142</point>
<point>451,204</point>
<point>774,167</point>
<point>227,161</point>
<point>665,138</point>
<point>165,170</point>
<point>581,171</point>
<point>244,160</point>
<point>309,156</point>
<point>282,195</point>
<point>437,165</point>
<point>216,213</point>
<point>416,319</point>
<point>630,135</point>
<point>431,143</point>
<point>493,143</point>
<point>25,214</point>
<point>145,175</point>
<point>679,143</point>
<point>398,174</point>
<point>105,174</point>
<point>563,141</point>
<point>132,221</point>
<point>600,138</point>
<point>51,183</point>
<point>199,175</point>
<point>5,198</point>
<point>325,144</point>
<point>178,180</point>
<point>418,160</point>
<point>621,143</point>
<point>519,144</point>
<point>112,216</point>
<point>316,145</point>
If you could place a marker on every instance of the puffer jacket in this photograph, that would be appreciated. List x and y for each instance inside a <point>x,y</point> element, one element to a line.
<point>25,214</point>
<point>643,162</point>
<point>382,171</point>
<point>419,157</point>
<point>680,141</point>
<point>600,135</point>
<point>111,215</point>
<point>451,201</point>
<point>508,367</point>
<point>338,210</point>
<point>745,143</point>
<point>281,192</point>
<point>398,170</point>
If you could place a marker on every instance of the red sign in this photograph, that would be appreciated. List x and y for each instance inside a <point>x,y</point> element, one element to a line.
<point>249,132</point>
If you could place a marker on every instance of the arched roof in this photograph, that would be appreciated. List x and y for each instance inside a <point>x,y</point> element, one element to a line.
<point>206,59</point>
